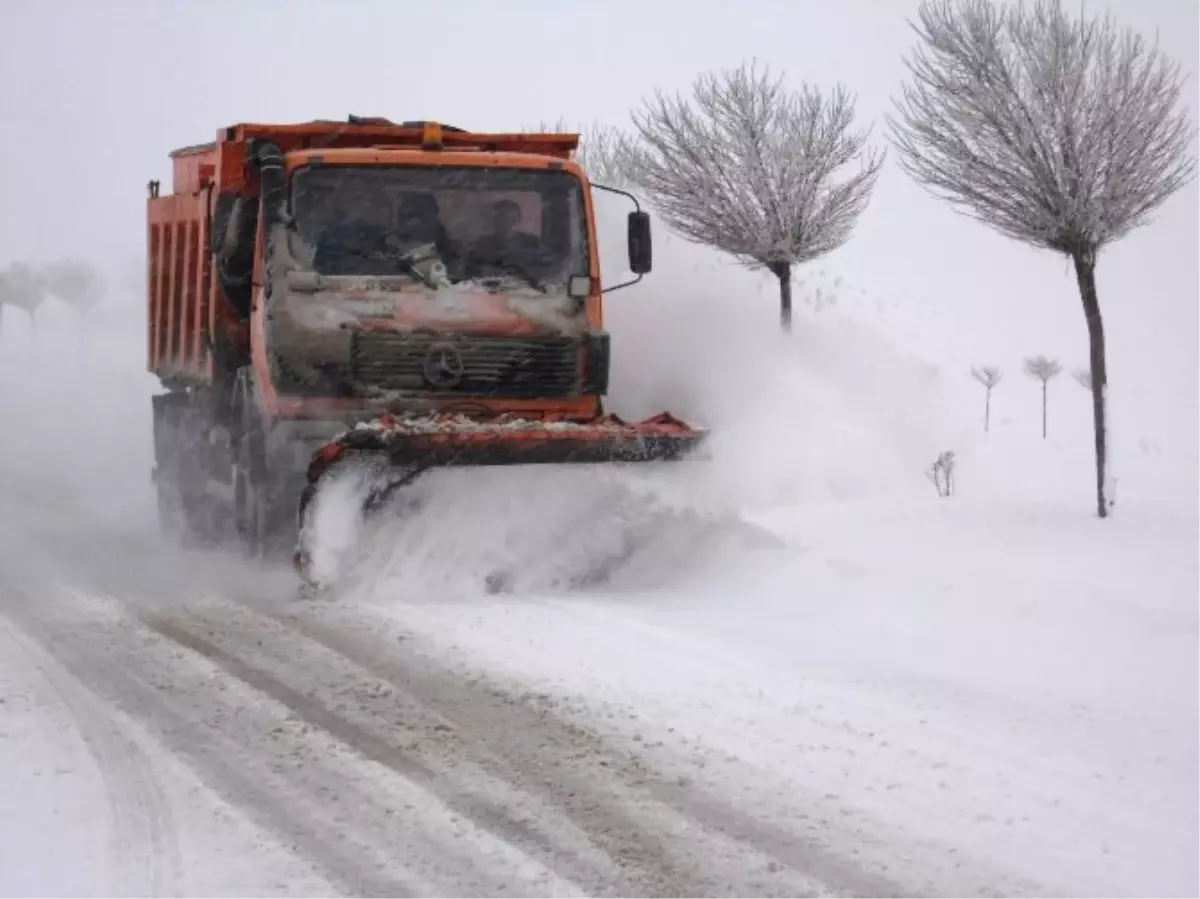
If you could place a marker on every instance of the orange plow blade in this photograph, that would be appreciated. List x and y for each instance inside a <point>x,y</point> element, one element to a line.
<point>401,449</point>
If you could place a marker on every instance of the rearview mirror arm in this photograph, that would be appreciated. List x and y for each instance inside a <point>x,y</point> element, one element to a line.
<point>638,207</point>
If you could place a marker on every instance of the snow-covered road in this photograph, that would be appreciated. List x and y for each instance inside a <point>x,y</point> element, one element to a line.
<point>178,723</point>
<point>211,719</point>
<point>871,691</point>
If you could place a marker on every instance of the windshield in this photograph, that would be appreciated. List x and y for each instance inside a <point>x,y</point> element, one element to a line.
<point>479,222</point>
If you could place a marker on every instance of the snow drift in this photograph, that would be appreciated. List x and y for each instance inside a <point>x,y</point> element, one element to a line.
<point>832,412</point>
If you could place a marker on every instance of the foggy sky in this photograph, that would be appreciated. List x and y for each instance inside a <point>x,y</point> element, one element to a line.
<point>96,94</point>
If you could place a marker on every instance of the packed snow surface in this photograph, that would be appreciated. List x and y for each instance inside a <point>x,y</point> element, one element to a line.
<point>789,669</point>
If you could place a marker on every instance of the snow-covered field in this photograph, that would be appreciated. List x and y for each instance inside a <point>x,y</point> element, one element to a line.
<point>812,675</point>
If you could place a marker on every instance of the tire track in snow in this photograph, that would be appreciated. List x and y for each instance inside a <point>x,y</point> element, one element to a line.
<point>504,716</point>
<point>597,817</point>
<point>663,837</point>
<point>371,832</point>
<point>144,845</point>
<point>318,715</point>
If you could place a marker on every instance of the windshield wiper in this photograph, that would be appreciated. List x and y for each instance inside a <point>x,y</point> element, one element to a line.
<point>411,269</point>
<point>517,270</point>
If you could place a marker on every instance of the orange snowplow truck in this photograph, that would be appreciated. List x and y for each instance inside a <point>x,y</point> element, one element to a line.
<point>408,293</point>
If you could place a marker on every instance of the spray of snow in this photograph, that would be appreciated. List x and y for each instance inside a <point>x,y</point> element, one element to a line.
<point>76,407</point>
<point>995,661</point>
<point>833,412</point>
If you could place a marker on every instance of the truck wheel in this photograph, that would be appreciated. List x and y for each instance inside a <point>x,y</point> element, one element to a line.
<point>249,511</point>
<point>250,479</point>
<point>264,493</point>
<point>168,418</point>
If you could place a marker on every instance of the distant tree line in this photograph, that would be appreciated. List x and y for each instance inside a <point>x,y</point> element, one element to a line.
<point>26,286</point>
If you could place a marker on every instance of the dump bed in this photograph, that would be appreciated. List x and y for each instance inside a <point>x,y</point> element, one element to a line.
<point>179,277</point>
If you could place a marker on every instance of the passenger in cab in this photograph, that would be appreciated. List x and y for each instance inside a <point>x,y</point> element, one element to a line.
<point>505,247</point>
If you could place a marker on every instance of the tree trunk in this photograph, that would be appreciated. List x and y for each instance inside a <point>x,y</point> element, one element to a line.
<point>1085,275</point>
<point>987,410</point>
<point>783,271</point>
<point>1044,382</point>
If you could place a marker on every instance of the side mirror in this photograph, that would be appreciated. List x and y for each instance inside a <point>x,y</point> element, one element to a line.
<point>640,251</point>
<point>640,254</point>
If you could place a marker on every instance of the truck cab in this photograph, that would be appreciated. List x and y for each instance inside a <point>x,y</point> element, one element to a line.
<point>429,277</point>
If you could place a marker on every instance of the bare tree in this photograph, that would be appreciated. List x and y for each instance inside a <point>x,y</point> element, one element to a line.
<point>751,168</point>
<point>600,153</point>
<point>1042,369</point>
<point>23,286</point>
<point>77,283</point>
<point>989,376</point>
<point>1060,133</point>
<point>1083,377</point>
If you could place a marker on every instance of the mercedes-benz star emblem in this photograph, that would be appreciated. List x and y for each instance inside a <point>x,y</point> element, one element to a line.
<point>443,366</point>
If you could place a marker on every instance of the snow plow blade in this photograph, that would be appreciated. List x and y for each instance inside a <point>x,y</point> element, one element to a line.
<point>403,449</point>
<point>452,440</point>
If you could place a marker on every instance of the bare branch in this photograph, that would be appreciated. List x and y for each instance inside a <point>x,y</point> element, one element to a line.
<point>752,169</point>
<point>1060,133</point>
<point>602,151</point>
<point>1042,369</point>
<point>989,376</point>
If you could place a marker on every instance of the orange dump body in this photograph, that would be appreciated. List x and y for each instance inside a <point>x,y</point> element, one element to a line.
<point>179,275</point>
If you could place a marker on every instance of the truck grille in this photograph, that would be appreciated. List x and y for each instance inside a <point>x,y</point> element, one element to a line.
<point>475,366</point>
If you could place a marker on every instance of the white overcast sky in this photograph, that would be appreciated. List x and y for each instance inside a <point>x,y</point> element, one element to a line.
<point>97,92</point>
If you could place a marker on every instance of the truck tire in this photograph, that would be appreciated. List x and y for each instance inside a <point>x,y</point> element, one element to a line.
<point>263,510</point>
<point>188,512</point>
<point>167,409</point>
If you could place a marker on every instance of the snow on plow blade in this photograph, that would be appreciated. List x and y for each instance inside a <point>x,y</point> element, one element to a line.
<point>455,440</point>
<point>411,446</point>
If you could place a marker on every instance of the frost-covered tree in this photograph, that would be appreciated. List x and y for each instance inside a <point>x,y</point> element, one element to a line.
<point>1063,133</point>
<point>77,283</point>
<point>1044,370</point>
<point>989,376</point>
<point>1083,377</point>
<point>773,177</point>
<point>600,152</point>
<point>22,286</point>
